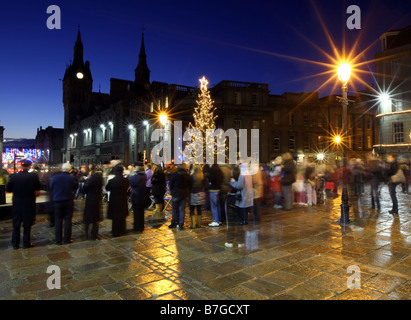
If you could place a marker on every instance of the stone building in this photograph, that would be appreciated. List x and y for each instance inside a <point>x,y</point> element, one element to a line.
<point>100,127</point>
<point>49,141</point>
<point>393,66</point>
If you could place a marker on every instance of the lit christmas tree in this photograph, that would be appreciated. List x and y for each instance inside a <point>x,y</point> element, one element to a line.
<point>204,119</point>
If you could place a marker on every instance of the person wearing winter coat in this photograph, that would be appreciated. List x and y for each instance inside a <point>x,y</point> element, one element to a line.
<point>245,185</point>
<point>215,181</point>
<point>158,187</point>
<point>288,177</point>
<point>393,167</point>
<point>25,186</point>
<point>93,189</point>
<point>138,183</point>
<point>197,196</point>
<point>117,209</point>
<point>180,191</point>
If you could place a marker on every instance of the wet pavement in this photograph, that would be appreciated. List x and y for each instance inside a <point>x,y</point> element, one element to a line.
<point>290,255</point>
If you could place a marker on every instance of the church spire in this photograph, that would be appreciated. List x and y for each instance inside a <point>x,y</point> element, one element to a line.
<point>142,72</point>
<point>78,51</point>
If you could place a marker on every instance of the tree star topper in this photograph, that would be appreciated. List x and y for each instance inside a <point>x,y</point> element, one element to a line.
<point>204,83</point>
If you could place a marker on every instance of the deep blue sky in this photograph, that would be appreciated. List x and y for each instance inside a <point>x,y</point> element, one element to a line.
<point>237,40</point>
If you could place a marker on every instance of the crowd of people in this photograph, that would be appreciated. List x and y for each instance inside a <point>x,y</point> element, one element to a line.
<point>233,193</point>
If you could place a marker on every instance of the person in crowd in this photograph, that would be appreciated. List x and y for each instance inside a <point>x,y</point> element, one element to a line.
<point>392,168</point>
<point>197,196</point>
<point>287,179</point>
<point>206,172</point>
<point>258,190</point>
<point>215,181</point>
<point>225,185</point>
<point>93,189</point>
<point>245,185</point>
<point>299,186</point>
<point>25,187</point>
<point>149,174</point>
<point>329,180</point>
<point>310,184</point>
<point>138,183</point>
<point>375,177</point>
<point>180,191</point>
<point>117,209</point>
<point>81,178</point>
<point>63,187</point>
<point>158,188</point>
<point>405,167</point>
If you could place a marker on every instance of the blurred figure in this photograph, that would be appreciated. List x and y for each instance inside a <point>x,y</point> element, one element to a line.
<point>310,184</point>
<point>25,187</point>
<point>149,174</point>
<point>63,187</point>
<point>197,196</point>
<point>138,183</point>
<point>117,209</point>
<point>375,176</point>
<point>180,191</point>
<point>245,185</point>
<point>258,190</point>
<point>392,184</point>
<point>405,167</point>
<point>275,182</point>
<point>93,189</point>
<point>81,178</point>
<point>287,179</point>
<point>158,188</point>
<point>215,179</point>
<point>225,185</point>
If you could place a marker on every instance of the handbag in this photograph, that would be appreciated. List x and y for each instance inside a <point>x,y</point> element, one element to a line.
<point>399,177</point>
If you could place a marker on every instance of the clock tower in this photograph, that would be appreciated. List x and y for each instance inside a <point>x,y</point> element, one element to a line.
<point>77,87</point>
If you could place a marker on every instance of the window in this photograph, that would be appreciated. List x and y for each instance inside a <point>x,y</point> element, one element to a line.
<point>166,106</point>
<point>237,97</point>
<point>254,100</point>
<point>276,143</point>
<point>306,119</point>
<point>397,105</point>
<point>398,129</point>
<point>291,143</point>
<point>276,117</point>
<point>359,122</point>
<point>237,124</point>
<point>256,124</point>
<point>291,119</point>
<point>359,142</point>
<point>306,143</point>
<point>152,106</point>
<point>369,145</point>
<point>368,123</point>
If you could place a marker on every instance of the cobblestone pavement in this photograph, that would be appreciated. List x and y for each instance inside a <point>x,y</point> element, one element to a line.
<point>298,254</point>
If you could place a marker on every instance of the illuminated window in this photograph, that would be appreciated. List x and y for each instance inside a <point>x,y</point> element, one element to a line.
<point>152,106</point>
<point>166,106</point>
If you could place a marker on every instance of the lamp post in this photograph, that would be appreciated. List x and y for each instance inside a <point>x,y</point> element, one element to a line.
<point>163,120</point>
<point>344,70</point>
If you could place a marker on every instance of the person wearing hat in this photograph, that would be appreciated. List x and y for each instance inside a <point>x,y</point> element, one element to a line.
<point>117,209</point>
<point>63,187</point>
<point>25,186</point>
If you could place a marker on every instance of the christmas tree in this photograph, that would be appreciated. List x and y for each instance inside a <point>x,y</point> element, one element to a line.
<point>204,120</point>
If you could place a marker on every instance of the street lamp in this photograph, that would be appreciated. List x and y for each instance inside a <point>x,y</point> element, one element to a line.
<point>163,120</point>
<point>344,72</point>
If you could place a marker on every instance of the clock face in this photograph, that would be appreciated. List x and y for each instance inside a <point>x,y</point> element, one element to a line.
<point>79,75</point>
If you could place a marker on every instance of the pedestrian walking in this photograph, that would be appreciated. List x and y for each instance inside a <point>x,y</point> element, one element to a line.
<point>245,185</point>
<point>158,188</point>
<point>180,191</point>
<point>25,187</point>
<point>288,177</point>
<point>197,196</point>
<point>215,179</point>
<point>93,190</point>
<point>117,209</point>
<point>225,186</point>
<point>149,174</point>
<point>374,168</point>
<point>393,181</point>
<point>63,187</point>
<point>138,199</point>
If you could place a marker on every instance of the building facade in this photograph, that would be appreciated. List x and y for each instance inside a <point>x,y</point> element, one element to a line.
<point>100,127</point>
<point>393,66</point>
<point>50,140</point>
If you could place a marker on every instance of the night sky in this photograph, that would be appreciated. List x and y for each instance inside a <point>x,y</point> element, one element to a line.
<point>258,41</point>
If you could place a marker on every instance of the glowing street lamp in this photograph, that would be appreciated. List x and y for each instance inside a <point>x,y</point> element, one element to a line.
<point>344,73</point>
<point>163,120</point>
<point>337,139</point>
